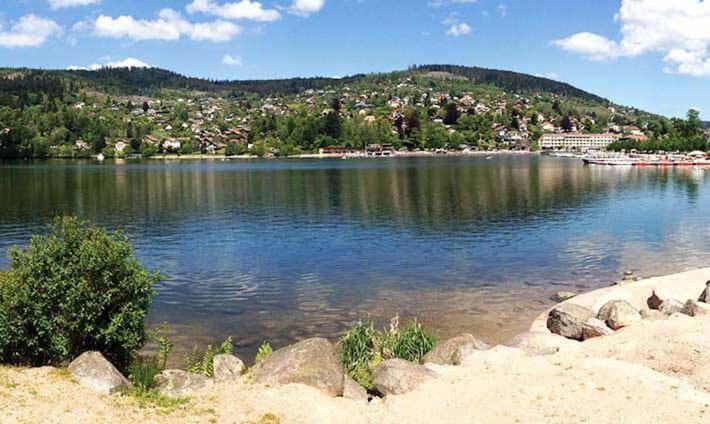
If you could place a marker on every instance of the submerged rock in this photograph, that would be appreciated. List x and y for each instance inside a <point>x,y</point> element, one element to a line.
<point>227,367</point>
<point>179,383</point>
<point>561,296</point>
<point>618,314</point>
<point>536,343</point>
<point>312,362</point>
<point>353,390</point>
<point>92,370</point>
<point>670,307</point>
<point>454,350</point>
<point>595,328</point>
<point>567,320</point>
<point>397,376</point>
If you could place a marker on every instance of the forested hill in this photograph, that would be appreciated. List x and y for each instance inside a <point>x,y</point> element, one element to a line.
<point>146,81</point>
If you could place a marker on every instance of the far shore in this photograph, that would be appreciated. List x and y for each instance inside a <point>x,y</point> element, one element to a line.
<point>451,153</point>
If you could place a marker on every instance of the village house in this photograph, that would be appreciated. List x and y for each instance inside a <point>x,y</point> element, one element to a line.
<point>120,146</point>
<point>80,144</point>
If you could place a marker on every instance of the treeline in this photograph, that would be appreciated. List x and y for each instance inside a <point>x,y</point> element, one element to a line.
<point>683,135</point>
<point>18,91</point>
<point>513,82</point>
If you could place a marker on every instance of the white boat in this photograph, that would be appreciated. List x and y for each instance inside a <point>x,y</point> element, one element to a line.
<point>100,157</point>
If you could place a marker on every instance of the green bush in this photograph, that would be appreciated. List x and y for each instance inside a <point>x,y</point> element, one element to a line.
<point>75,289</point>
<point>362,347</point>
<point>201,363</point>
<point>264,350</point>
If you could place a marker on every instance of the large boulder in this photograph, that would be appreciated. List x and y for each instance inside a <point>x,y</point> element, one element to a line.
<point>92,370</point>
<point>397,376</point>
<point>567,320</point>
<point>670,307</point>
<point>312,362</point>
<point>595,328</point>
<point>227,367</point>
<point>353,390</point>
<point>618,314</point>
<point>180,384</point>
<point>536,343</point>
<point>454,350</point>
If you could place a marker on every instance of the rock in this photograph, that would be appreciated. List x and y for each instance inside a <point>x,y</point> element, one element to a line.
<point>227,367</point>
<point>536,343</point>
<point>453,351</point>
<point>312,362</point>
<point>654,302</point>
<point>670,306</point>
<point>397,376</point>
<point>567,320</point>
<point>628,276</point>
<point>353,390</point>
<point>651,314</point>
<point>179,383</point>
<point>561,296</point>
<point>595,328</point>
<point>695,309</point>
<point>705,295</point>
<point>92,370</point>
<point>618,314</point>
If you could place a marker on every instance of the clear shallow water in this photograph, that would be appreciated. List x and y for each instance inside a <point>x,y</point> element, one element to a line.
<point>282,250</point>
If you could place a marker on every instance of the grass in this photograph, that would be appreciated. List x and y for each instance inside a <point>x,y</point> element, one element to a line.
<point>363,347</point>
<point>153,399</point>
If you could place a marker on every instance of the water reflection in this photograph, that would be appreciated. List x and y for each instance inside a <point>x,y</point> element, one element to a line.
<point>288,249</point>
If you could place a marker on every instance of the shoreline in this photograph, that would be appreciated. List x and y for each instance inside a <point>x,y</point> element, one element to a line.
<point>661,364</point>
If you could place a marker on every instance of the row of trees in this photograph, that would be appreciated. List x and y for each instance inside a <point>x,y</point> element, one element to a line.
<point>683,135</point>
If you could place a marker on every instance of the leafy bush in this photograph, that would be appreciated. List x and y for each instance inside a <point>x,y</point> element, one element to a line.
<point>264,351</point>
<point>362,347</point>
<point>78,288</point>
<point>201,363</point>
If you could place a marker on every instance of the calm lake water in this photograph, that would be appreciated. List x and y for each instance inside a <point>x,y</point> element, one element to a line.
<point>286,249</point>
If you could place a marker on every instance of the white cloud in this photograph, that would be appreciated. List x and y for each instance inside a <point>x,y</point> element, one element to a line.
<point>244,9</point>
<point>458,30</point>
<point>129,62</point>
<point>306,8</point>
<point>29,31</point>
<point>440,3</point>
<point>678,29</point>
<point>502,10</point>
<point>61,4</point>
<point>169,26</point>
<point>230,60</point>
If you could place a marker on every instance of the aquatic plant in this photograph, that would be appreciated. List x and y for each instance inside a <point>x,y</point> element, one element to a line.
<point>264,351</point>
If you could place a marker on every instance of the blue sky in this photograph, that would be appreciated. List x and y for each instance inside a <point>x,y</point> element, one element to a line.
<point>648,53</point>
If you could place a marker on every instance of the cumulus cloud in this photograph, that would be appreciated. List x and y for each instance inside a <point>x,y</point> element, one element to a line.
<point>129,62</point>
<point>306,8</point>
<point>169,26</point>
<point>230,60</point>
<point>459,30</point>
<point>61,4</point>
<point>244,9</point>
<point>29,31</point>
<point>679,30</point>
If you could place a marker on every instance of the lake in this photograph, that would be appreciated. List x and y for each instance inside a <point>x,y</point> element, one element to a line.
<point>281,250</point>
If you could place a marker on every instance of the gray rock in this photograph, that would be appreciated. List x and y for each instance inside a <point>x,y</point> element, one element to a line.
<point>705,295</point>
<point>312,362</point>
<point>567,320</point>
<point>397,376</point>
<point>227,367</point>
<point>180,384</point>
<point>537,343</point>
<point>651,314</point>
<point>561,296</point>
<point>618,314</point>
<point>92,370</point>
<point>695,309</point>
<point>595,328</point>
<point>670,307</point>
<point>454,350</point>
<point>353,390</point>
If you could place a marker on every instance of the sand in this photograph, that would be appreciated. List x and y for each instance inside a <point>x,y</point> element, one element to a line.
<point>651,372</point>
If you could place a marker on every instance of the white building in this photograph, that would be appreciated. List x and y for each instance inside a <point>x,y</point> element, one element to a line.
<point>576,141</point>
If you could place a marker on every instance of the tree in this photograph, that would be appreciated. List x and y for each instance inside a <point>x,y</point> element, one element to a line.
<point>331,124</point>
<point>452,114</point>
<point>566,124</point>
<point>146,106</point>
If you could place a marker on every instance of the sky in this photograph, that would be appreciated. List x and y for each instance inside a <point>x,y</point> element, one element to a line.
<point>652,54</point>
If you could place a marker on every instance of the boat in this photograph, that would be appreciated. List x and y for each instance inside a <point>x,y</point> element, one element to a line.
<point>694,159</point>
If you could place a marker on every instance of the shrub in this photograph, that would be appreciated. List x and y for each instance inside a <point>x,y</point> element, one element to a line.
<point>201,363</point>
<point>78,288</point>
<point>362,347</point>
<point>264,351</point>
